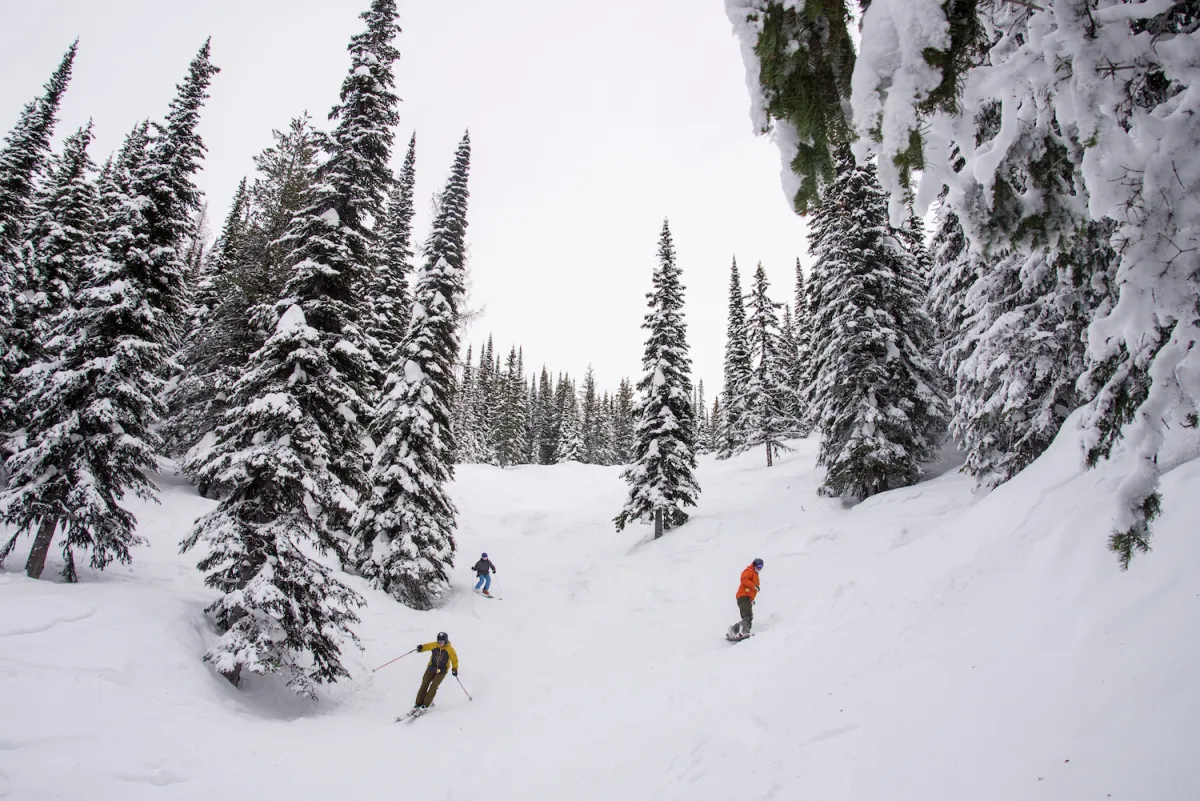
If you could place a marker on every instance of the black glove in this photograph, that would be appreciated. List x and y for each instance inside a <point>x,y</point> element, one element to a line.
<point>455,671</point>
<point>420,647</point>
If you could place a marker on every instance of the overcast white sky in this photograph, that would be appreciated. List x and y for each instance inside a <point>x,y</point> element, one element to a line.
<point>590,122</point>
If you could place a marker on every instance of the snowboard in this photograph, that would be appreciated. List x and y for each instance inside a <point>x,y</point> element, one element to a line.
<point>733,636</point>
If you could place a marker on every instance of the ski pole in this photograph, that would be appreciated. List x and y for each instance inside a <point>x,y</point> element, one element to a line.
<point>464,689</point>
<point>385,664</point>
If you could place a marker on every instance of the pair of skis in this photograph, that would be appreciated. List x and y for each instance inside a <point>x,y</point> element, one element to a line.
<point>414,713</point>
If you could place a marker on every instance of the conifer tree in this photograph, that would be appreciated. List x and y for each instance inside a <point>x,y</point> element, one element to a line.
<point>590,421</point>
<point>405,528</point>
<point>511,413</point>
<point>624,423</point>
<point>90,415</point>
<point>570,438</point>
<point>716,424</point>
<point>197,401</point>
<point>769,399</point>
<point>547,420</point>
<point>802,336</point>
<point>23,157</point>
<point>533,430</point>
<point>793,376</point>
<point>606,433</point>
<point>701,408</point>
<point>877,401</point>
<point>291,453</point>
<point>737,370</point>
<point>60,239</point>
<point>390,302</point>
<point>661,479</point>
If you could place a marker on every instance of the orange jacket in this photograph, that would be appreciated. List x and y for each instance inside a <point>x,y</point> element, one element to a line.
<point>749,586</point>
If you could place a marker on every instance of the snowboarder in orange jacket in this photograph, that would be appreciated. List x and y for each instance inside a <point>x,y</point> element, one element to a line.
<point>747,592</point>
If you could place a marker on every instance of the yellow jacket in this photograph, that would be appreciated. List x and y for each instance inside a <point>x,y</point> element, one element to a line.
<point>438,655</point>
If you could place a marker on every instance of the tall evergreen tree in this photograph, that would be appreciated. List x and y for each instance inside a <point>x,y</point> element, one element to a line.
<point>292,452</point>
<point>793,375</point>
<point>701,408</point>
<point>548,421</point>
<point>390,299</point>
<point>197,400</point>
<point>405,528</point>
<point>60,240</point>
<point>590,421</point>
<point>737,369</point>
<point>624,423</point>
<point>769,398</point>
<point>23,157</point>
<point>92,410</point>
<point>880,412</point>
<point>570,437</point>
<point>802,336</point>
<point>662,481</point>
<point>511,413</point>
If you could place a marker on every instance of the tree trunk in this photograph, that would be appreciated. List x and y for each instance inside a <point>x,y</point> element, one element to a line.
<point>41,547</point>
<point>770,461</point>
<point>658,523</point>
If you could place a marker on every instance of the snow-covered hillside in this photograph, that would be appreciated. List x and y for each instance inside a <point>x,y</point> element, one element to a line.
<point>925,645</point>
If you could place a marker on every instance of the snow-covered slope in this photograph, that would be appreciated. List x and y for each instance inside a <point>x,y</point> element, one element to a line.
<point>924,645</point>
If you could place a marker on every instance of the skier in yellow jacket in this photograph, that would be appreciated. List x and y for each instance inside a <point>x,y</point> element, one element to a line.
<point>441,657</point>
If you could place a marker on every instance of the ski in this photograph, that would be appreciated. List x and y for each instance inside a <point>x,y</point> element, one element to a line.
<point>413,714</point>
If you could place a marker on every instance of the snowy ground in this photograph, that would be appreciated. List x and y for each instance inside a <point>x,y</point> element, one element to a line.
<point>924,646</point>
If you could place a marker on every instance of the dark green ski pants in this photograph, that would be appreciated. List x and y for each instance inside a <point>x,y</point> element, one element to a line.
<point>746,607</point>
<point>429,686</point>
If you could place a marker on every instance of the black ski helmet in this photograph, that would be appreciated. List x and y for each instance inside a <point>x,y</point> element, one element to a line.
<point>443,637</point>
<point>758,563</point>
<point>484,555</point>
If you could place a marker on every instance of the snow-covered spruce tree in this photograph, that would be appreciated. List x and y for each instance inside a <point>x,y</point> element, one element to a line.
<point>196,402</point>
<point>802,325</point>
<point>876,399</point>
<point>1118,74</point>
<point>702,422</point>
<point>291,452</point>
<point>23,157</point>
<point>91,403</point>
<point>405,528</point>
<point>511,413</point>
<point>533,429</point>
<point>737,370</point>
<point>59,241</point>
<point>606,453</point>
<point>624,423</point>
<point>547,420</point>
<point>716,422</point>
<point>590,418</point>
<point>470,442</point>
<point>390,301</point>
<point>570,435</point>
<point>769,398</point>
<point>792,374</point>
<point>662,481</point>
<point>486,403</point>
<point>247,283</point>
<point>281,609</point>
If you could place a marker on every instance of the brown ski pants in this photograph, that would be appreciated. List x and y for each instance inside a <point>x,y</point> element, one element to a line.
<point>746,607</point>
<point>429,686</point>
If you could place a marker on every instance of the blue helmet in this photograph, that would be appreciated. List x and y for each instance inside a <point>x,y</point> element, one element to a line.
<point>758,564</point>
<point>484,556</point>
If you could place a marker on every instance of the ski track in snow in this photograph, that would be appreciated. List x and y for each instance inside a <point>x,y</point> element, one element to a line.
<point>929,644</point>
